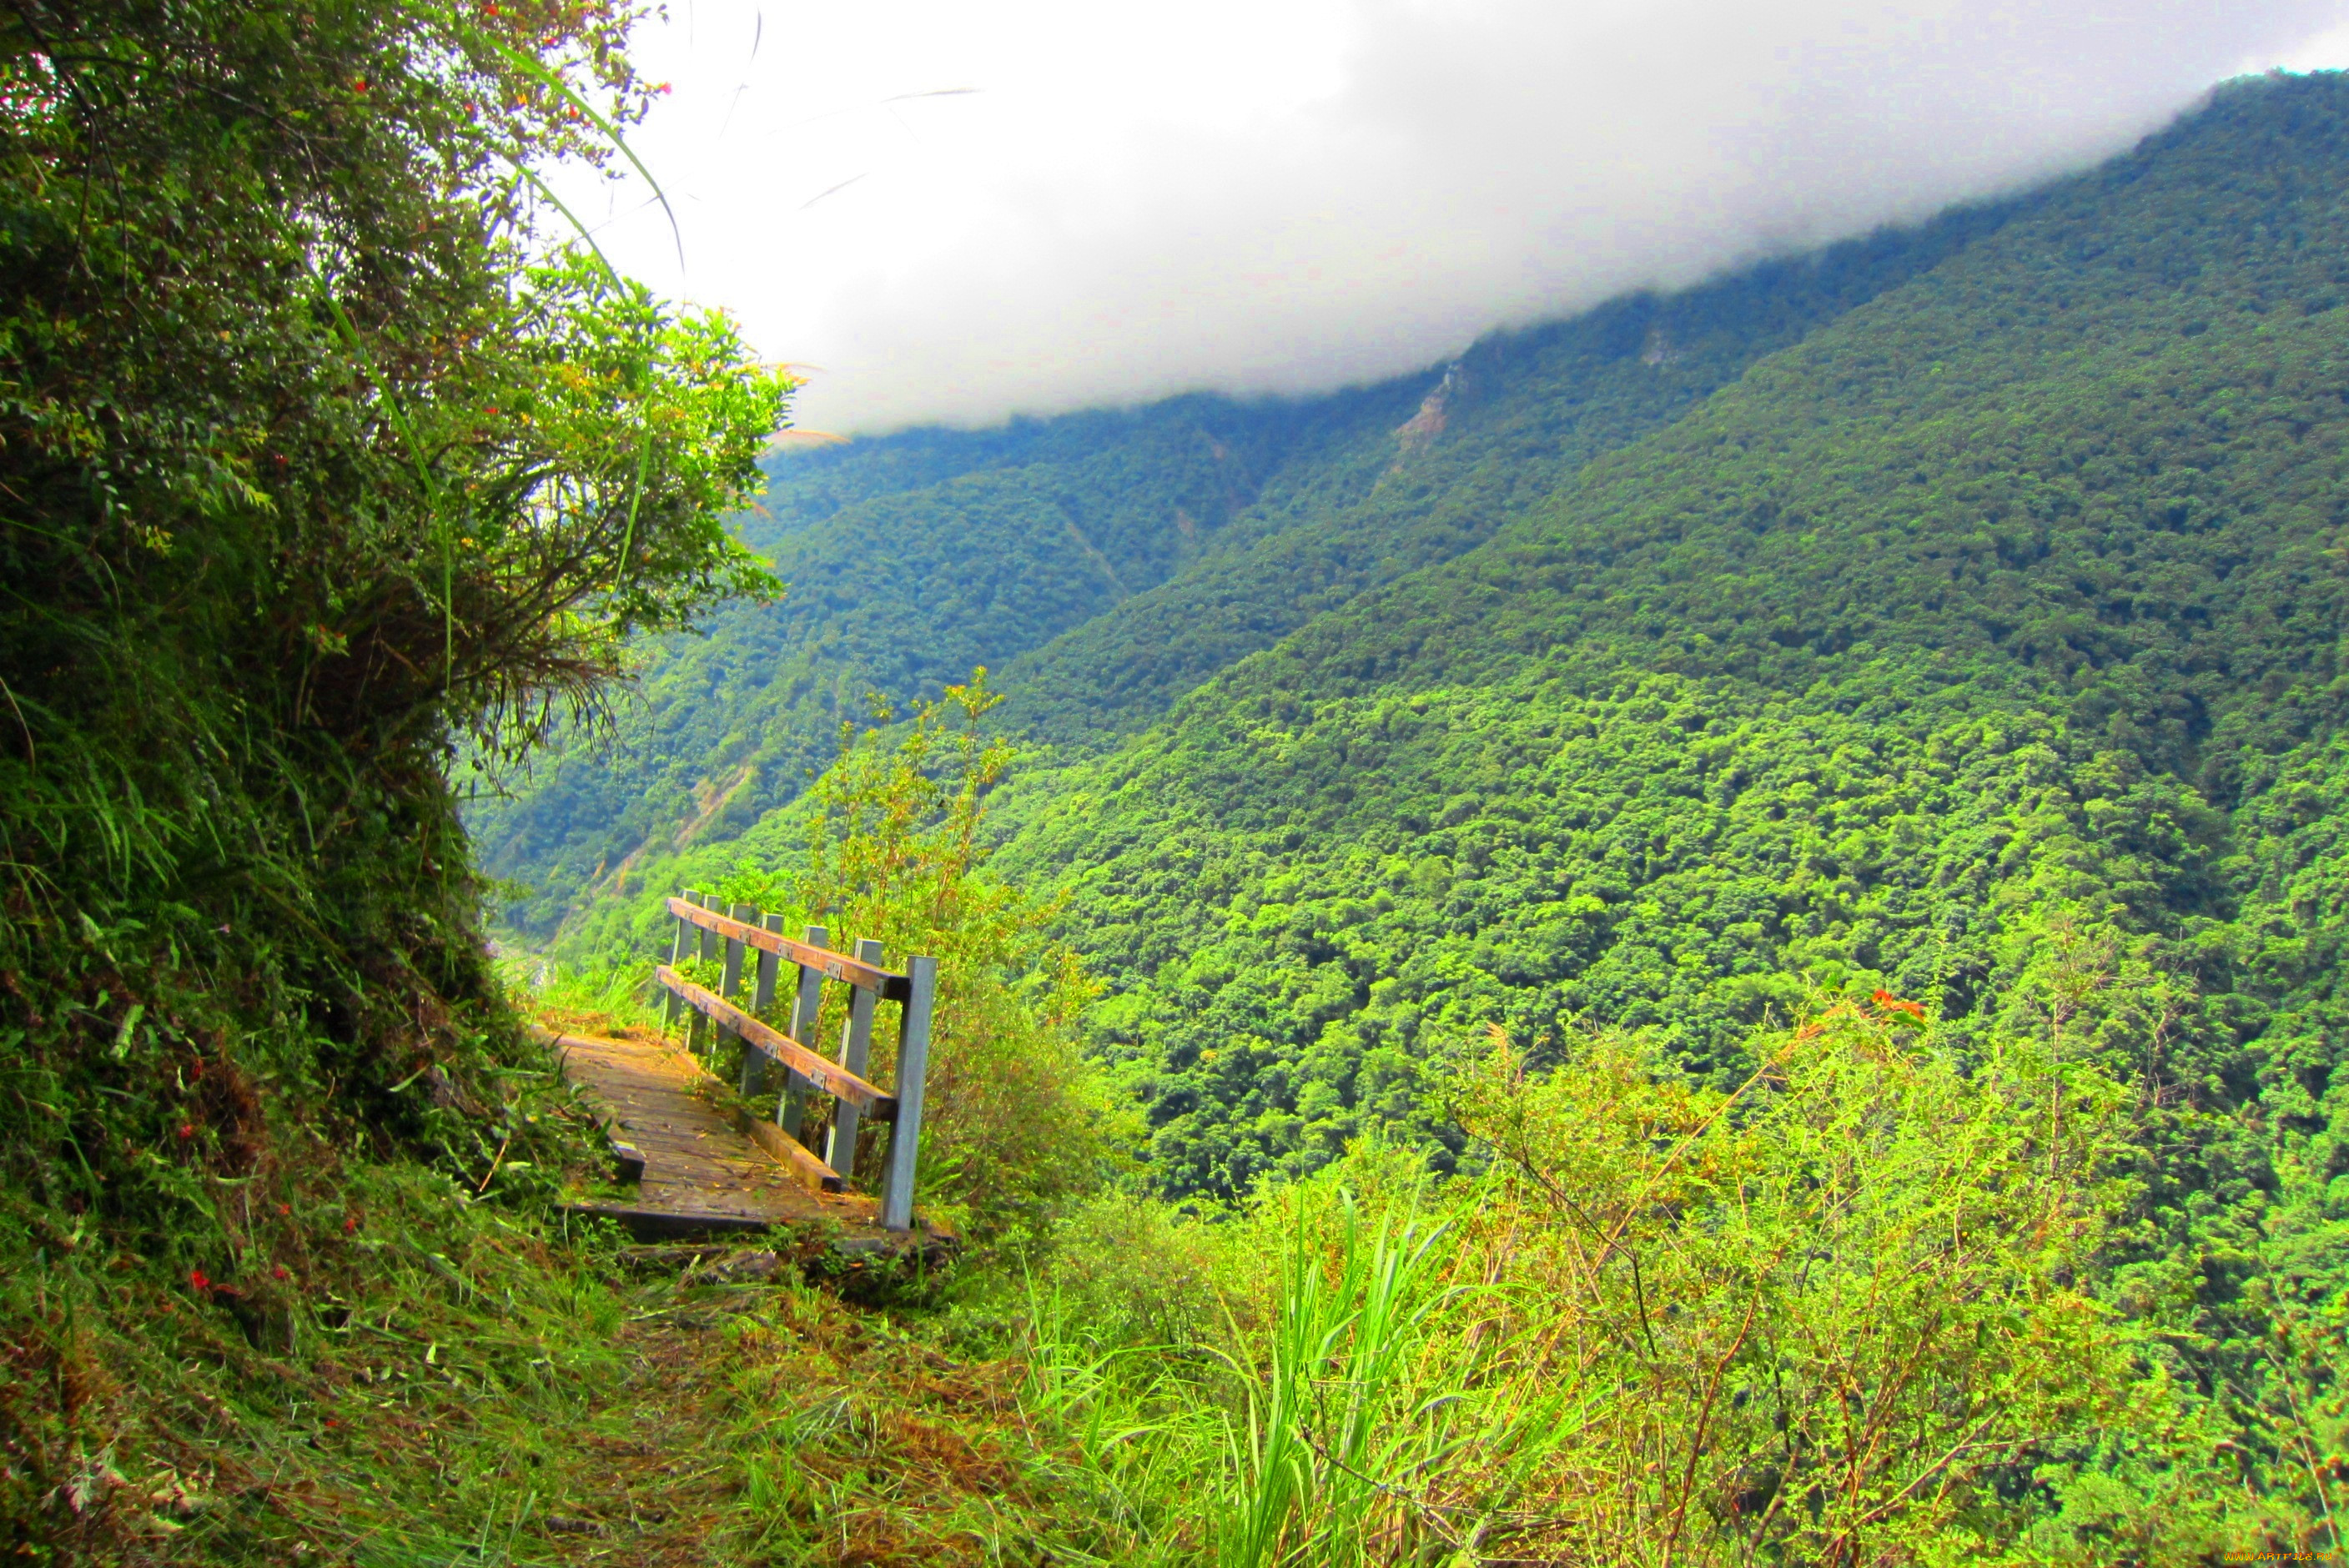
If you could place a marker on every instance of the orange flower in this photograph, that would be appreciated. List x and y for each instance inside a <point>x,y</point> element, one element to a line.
<point>1891,1004</point>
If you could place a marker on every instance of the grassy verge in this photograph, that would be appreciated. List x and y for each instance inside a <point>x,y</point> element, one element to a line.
<point>1642,1330</point>
<point>406,1371</point>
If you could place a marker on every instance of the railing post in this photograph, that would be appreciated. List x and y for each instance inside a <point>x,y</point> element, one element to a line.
<point>855,1051</point>
<point>730,985</point>
<point>913,1060</point>
<point>676,956</point>
<point>762,996</point>
<point>791,1114</point>
<point>701,1027</point>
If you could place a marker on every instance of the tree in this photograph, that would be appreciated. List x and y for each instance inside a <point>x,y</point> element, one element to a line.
<point>1017,1119</point>
<point>284,333</point>
<point>320,452</point>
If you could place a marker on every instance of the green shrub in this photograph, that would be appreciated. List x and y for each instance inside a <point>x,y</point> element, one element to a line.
<point>1018,1121</point>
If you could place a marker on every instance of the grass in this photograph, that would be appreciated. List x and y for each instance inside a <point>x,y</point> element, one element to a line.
<point>1369,1367</point>
<point>391,1365</point>
<point>512,1398</point>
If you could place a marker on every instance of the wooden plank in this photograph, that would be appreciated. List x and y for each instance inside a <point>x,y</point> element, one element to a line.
<point>703,1034</point>
<point>805,1168</point>
<point>627,1159</point>
<point>677,955</point>
<point>826,1076</point>
<point>703,1170</point>
<point>763,997</point>
<point>731,984</point>
<point>889,986</point>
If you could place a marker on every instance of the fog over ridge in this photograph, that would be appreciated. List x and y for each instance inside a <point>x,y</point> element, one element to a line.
<point>1287,199</point>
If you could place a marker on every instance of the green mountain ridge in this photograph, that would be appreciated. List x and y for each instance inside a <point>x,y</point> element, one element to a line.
<point>1981,644</point>
<point>2011,600</point>
<point>910,559</point>
<point>1106,564</point>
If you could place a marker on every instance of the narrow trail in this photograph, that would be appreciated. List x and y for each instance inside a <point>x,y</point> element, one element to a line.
<point>692,1157</point>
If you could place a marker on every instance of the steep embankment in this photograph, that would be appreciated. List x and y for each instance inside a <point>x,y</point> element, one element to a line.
<point>310,474</point>
<point>1112,562</point>
<point>2004,607</point>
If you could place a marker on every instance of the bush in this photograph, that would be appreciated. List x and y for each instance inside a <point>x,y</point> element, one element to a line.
<point>1017,1119</point>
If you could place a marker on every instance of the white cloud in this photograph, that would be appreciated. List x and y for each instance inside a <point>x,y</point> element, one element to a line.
<point>1262,196</point>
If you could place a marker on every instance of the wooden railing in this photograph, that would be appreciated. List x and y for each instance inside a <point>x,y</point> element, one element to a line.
<point>727,936</point>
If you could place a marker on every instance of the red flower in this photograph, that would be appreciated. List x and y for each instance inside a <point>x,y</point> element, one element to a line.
<point>350,1224</point>
<point>280,1272</point>
<point>197,1278</point>
<point>285,1208</point>
<point>187,1130</point>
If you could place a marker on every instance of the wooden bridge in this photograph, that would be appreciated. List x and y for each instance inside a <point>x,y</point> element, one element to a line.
<point>685,1109</point>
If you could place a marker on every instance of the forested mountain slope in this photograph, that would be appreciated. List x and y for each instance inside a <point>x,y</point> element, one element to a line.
<point>1983,646</point>
<point>1958,614</point>
<point>1115,561</point>
<point>909,560</point>
<point>1977,651</point>
<point>1497,433</point>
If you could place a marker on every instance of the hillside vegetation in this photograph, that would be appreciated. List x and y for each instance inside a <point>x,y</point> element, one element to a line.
<point>316,459</point>
<point>2009,602</point>
<point>1983,649</point>
<point>1103,564</point>
<point>1977,650</point>
<point>1706,938</point>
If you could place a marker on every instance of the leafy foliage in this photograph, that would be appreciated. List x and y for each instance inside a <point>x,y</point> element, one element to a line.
<point>1106,564</point>
<point>1838,1313</point>
<point>1890,655</point>
<point>1980,648</point>
<point>886,846</point>
<point>1828,1309</point>
<point>316,459</point>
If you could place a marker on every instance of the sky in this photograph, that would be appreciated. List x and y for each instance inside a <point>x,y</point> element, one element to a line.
<point>948,211</point>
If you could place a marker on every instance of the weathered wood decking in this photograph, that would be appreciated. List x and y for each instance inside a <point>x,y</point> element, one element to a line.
<point>699,1167</point>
